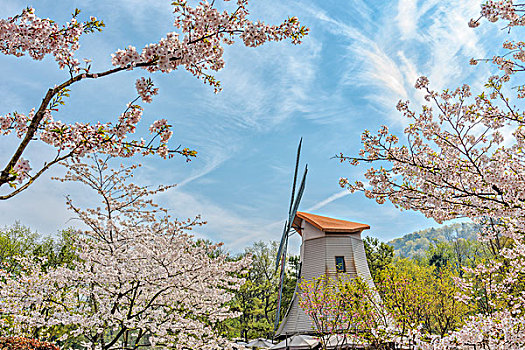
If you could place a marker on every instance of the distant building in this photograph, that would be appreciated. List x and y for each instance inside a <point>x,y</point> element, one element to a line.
<point>329,247</point>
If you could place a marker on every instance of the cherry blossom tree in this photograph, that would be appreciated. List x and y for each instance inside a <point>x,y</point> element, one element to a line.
<point>454,165</point>
<point>140,278</point>
<point>197,46</point>
<point>455,162</point>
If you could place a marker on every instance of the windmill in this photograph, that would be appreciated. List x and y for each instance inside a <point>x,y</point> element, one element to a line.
<point>288,230</point>
<point>329,247</point>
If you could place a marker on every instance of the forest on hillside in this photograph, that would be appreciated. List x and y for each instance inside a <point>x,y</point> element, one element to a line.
<point>416,243</point>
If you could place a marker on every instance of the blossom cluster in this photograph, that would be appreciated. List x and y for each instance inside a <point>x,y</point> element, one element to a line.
<point>21,169</point>
<point>145,89</point>
<point>80,139</point>
<point>37,37</point>
<point>513,61</point>
<point>504,9</point>
<point>199,47</point>
<point>499,331</point>
<point>15,121</point>
<point>161,127</point>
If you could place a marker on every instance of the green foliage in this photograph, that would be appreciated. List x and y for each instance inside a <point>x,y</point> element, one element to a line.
<point>379,255</point>
<point>256,301</point>
<point>421,290</point>
<point>422,295</point>
<point>456,254</point>
<point>18,241</point>
<point>416,243</point>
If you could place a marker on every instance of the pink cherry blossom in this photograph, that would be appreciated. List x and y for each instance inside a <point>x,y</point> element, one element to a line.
<point>145,89</point>
<point>21,169</point>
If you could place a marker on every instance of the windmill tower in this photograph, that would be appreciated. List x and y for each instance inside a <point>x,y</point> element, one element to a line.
<point>329,247</point>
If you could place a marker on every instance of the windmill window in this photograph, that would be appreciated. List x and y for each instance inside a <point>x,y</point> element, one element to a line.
<point>340,265</point>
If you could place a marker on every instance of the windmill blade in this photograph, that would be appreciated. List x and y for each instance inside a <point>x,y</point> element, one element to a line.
<point>292,211</point>
<point>295,175</point>
<point>284,240</point>
<point>298,199</point>
<point>288,225</point>
<point>294,208</point>
<point>281,284</point>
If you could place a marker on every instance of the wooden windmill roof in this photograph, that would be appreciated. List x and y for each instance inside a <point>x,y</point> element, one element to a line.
<point>327,224</point>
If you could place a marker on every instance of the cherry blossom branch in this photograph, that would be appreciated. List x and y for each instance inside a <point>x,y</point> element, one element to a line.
<point>36,176</point>
<point>200,50</point>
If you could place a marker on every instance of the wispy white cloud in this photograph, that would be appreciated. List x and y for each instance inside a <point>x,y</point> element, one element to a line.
<point>377,68</point>
<point>358,61</point>
<point>265,97</point>
<point>223,224</point>
<point>42,208</point>
<point>209,166</point>
<point>407,17</point>
<point>329,200</point>
<point>408,67</point>
<point>139,14</point>
<point>452,43</point>
<point>429,38</point>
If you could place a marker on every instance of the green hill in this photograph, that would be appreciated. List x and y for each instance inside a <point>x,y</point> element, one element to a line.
<point>413,244</point>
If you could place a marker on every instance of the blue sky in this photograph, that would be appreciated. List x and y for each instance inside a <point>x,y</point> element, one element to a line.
<point>360,58</point>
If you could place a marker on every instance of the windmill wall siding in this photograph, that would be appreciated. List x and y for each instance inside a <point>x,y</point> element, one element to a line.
<point>318,252</point>
<point>361,264</point>
<point>313,259</point>
<point>296,320</point>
